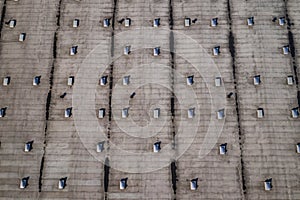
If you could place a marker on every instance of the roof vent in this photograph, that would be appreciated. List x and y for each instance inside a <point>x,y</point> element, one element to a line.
<point>36,80</point>
<point>126,80</point>
<point>68,112</point>
<point>187,22</point>
<point>156,113</point>
<point>214,22</point>
<point>106,23</point>
<point>127,22</point>
<point>126,50</point>
<point>216,50</point>
<point>190,80</point>
<point>250,21</point>
<point>156,51</point>
<point>221,114</point>
<point>100,146</point>
<point>285,50</point>
<point>256,80</point>
<point>290,80</point>
<point>223,149</point>
<point>103,80</point>
<point>295,112</point>
<point>156,147</point>
<point>75,23</point>
<point>73,50</point>
<point>125,112</point>
<point>101,113</point>
<point>281,21</point>
<point>70,80</point>
<point>156,22</point>
<point>22,37</point>
<point>62,183</point>
<point>194,184</point>
<point>191,113</point>
<point>12,23</point>
<point>24,182</point>
<point>218,81</point>
<point>123,183</point>
<point>28,146</point>
<point>260,113</point>
<point>6,81</point>
<point>268,184</point>
<point>3,112</point>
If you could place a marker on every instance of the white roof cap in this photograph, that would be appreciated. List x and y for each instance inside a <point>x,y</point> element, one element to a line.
<point>12,23</point>
<point>36,80</point>
<point>103,80</point>
<point>290,80</point>
<point>22,37</point>
<point>101,113</point>
<point>126,50</point>
<point>190,80</point>
<point>221,114</point>
<point>285,50</point>
<point>123,183</point>
<point>260,113</point>
<point>28,146</point>
<point>2,112</point>
<point>68,112</point>
<point>106,23</point>
<point>156,113</point>
<point>126,80</point>
<point>70,80</point>
<point>191,113</point>
<point>127,22</point>
<point>100,146</point>
<point>75,23</point>
<point>62,183</point>
<point>156,51</point>
<point>216,50</point>
<point>295,112</point>
<point>268,184</point>
<point>281,21</point>
<point>156,22</point>
<point>125,112</point>
<point>156,147</point>
<point>6,81</point>
<point>250,21</point>
<point>73,50</point>
<point>24,182</point>
<point>214,22</point>
<point>256,80</point>
<point>187,21</point>
<point>223,149</point>
<point>194,184</point>
<point>218,81</point>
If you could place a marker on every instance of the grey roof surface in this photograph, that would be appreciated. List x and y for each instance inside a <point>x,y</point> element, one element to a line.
<point>257,149</point>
